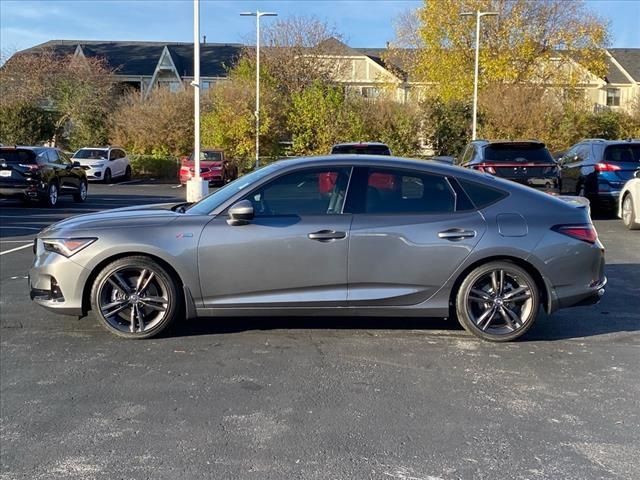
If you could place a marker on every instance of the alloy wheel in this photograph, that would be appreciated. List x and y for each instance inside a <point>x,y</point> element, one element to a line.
<point>53,194</point>
<point>500,302</point>
<point>134,299</point>
<point>627,210</point>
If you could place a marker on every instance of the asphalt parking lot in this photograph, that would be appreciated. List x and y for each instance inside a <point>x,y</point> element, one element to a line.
<point>314,398</point>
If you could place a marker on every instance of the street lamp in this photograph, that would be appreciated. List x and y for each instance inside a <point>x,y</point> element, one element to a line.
<point>258,14</point>
<point>196,186</point>
<point>478,15</point>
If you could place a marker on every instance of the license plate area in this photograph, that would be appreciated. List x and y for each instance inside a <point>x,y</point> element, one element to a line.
<point>5,173</point>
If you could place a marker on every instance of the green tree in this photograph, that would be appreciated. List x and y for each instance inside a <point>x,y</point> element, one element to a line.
<point>447,125</point>
<point>25,124</point>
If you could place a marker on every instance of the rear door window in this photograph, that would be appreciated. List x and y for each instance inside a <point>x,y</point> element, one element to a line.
<point>481,195</point>
<point>402,192</point>
<point>523,153</point>
<point>622,153</point>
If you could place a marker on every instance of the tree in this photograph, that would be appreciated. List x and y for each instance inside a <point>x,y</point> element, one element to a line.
<point>161,124</point>
<point>76,92</point>
<point>519,45</point>
<point>447,125</point>
<point>24,124</point>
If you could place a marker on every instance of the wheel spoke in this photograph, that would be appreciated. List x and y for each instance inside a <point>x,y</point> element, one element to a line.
<point>117,306</point>
<point>486,317</point>
<point>505,316</point>
<point>154,303</point>
<point>515,318</point>
<point>144,286</point>
<point>519,298</point>
<point>132,327</point>
<point>119,283</point>
<point>514,292</point>
<point>495,282</point>
<point>140,279</point>
<point>140,316</point>
<point>479,295</point>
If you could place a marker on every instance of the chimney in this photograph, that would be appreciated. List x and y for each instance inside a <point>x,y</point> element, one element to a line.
<point>204,39</point>
<point>388,45</point>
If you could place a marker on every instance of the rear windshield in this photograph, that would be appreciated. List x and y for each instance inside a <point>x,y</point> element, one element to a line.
<point>629,153</point>
<point>517,153</point>
<point>16,156</point>
<point>210,156</point>
<point>361,149</point>
<point>91,153</point>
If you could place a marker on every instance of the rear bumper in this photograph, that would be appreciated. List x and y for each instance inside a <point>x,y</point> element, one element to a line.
<point>215,177</point>
<point>590,296</point>
<point>21,191</point>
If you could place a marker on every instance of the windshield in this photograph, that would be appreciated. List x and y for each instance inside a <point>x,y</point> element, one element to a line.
<point>210,156</point>
<point>629,153</point>
<point>211,201</point>
<point>361,149</point>
<point>91,154</point>
<point>520,153</point>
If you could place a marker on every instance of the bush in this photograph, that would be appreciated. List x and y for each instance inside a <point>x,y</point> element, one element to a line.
<point>25,125</point>
<point>160,167</point>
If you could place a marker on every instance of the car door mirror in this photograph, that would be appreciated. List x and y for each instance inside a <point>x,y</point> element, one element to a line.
<point>76,163</point>
<point>241,213</point>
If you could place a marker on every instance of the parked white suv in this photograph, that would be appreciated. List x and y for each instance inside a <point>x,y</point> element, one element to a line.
<point>104,163</point>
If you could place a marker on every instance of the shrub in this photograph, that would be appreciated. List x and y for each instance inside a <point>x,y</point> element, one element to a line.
<point>161,167</point>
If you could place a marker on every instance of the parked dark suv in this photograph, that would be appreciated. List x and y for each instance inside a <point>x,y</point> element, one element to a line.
<point>526,162</point>
<point>40,173</point>
<point>361,148</point>
<point>598,169</point>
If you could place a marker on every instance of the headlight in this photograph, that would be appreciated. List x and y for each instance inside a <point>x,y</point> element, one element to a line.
<point>98,165</point>
<point>66,246</point>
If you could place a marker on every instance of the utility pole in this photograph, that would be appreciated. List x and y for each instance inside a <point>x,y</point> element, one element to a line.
<point>478,14</point>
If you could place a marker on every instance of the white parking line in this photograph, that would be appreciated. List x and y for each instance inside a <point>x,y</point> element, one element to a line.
<point>16,249</point>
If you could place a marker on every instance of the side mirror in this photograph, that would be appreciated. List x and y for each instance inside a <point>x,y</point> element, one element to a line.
<point>241,213</point>
<point>637,174</point>
<point>76,163</point>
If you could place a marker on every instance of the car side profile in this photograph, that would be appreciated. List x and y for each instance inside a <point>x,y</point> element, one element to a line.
<point>391,237</point>
<point>629,205</point>
<point>527,162</point>
<point>40,174</point>
<point>104,163</point>
<point>598,170</point>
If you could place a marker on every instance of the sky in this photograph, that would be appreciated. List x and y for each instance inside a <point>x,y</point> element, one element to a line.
<point>368,23</point>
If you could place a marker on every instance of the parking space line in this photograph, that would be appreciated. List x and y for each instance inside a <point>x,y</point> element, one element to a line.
<point>17,248</point>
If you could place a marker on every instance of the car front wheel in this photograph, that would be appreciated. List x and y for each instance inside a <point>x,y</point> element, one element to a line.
<point>135,297</point>
<point>81,194</point>
<point>498,301</point>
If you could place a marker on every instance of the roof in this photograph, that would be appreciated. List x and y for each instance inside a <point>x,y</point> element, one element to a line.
<point>629,59</point>
<point>141,58</point>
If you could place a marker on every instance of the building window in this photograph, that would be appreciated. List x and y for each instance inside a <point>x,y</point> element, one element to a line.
<point>370,92</point>
<point>613,97</point>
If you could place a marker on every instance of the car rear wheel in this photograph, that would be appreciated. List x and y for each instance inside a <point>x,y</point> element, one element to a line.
<point>51,198</point>
<point>629,214</point>
<point>498,301</point>
<point>134,297</point>
<point>127,173</point>
<point>81,195</point>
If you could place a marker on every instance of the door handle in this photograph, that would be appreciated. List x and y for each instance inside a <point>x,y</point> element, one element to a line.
<point>456,234</point>
<point>326,235</point>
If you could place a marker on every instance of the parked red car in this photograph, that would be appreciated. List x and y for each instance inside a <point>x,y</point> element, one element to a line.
<point>214,167</point>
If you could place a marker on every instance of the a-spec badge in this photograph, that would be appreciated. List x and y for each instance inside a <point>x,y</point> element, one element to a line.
<point>184,235</point>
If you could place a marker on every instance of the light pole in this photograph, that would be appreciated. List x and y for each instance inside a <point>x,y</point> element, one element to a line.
<point>196,187</point>
<point>258,14</point>
<point>478,15</point>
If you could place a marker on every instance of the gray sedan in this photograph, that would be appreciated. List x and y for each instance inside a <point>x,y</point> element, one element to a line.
<point>338,235</point>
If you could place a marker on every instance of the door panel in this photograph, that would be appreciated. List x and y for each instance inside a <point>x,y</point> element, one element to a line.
<point>402,259</point>
<point>273,262</point>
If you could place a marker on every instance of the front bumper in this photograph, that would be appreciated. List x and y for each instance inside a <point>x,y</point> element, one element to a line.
<point>94,173</point>
<point>57,283</point>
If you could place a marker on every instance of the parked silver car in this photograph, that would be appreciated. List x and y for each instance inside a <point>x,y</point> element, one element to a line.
<point>335,235</point>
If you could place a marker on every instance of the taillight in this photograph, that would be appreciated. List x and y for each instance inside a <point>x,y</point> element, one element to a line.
<point>606,167</point>
<point>31,167</point>
<point>586,233</point>
<point>486,168</point>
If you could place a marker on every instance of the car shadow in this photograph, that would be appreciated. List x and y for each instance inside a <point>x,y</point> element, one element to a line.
<point>616,313</point>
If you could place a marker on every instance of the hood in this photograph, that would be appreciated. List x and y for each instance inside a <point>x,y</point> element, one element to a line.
<point>89,161</point>
<point>203,163</point>
<point>128,217</point>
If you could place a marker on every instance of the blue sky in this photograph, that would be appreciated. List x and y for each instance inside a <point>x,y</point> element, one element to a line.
<point>369,23</point>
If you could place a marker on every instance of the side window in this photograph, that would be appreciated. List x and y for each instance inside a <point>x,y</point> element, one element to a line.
<point>319,191</point>
<point>63,158</point>
<point>113,155</point>
<point>52,155</point>
<point>121,154</point>
<point>481,195</point>
<point>467,156</point>
<point>395,191</point>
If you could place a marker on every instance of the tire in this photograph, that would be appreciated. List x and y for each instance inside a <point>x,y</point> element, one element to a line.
<point>52,195</point>
<point>497,315</point>
<point>629,213</point>
<point>81,195</point>
<point>107,176</point>
<point>135,297</point>
<point>127,173</point>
